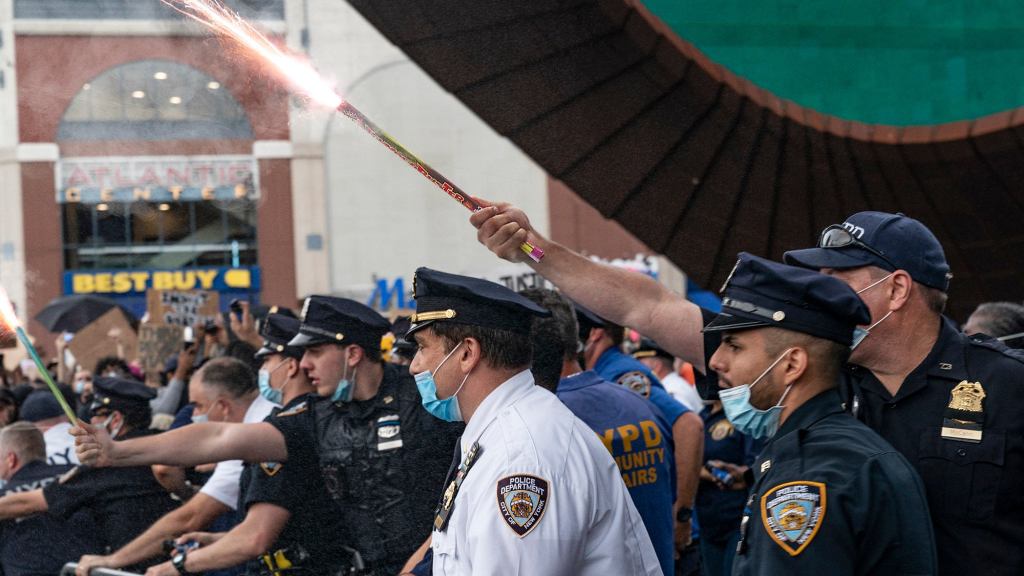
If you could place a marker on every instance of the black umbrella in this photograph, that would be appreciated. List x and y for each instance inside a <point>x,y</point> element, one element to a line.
<point>72,313</point>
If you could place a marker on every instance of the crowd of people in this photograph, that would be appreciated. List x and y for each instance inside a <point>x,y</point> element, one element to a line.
<point>828,420</point>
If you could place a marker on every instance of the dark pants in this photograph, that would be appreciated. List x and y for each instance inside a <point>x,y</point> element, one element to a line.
<point>716,557</point>
<point>688,563</point>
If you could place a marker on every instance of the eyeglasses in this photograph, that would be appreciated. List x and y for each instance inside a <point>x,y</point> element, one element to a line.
<point>835,236</point>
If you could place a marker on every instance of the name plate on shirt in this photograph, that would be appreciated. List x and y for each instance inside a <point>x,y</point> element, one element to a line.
<point>961,433</point>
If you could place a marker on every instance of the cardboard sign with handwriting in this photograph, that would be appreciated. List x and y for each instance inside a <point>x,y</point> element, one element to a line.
<point>108,335</point>
<point>157,343</point>
<point>182,307</point>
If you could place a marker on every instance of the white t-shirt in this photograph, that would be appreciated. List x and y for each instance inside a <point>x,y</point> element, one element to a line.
<point>683,392</point>
<point>60,445</point>
<point>223,485</point>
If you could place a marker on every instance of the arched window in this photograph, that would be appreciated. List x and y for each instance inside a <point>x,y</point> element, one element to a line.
<point>154,100</point>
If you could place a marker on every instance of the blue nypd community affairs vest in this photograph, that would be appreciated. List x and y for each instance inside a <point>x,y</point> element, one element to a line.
<point>640,441</point>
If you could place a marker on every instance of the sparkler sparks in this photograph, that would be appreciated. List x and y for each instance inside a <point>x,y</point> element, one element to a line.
<point>303,78</point>
<point>10,319</point>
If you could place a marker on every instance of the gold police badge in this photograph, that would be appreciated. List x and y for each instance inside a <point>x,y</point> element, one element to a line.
<point>965,415</point>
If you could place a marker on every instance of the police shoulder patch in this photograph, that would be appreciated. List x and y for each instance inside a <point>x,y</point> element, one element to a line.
<point>297,409</point>
<point>636,381</point>
<point>522,501</point>
<point>271,468</point>
<point>792,514</point>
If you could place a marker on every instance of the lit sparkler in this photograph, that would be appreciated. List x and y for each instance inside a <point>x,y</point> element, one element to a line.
<point>11,320</point>
<point>303,78</point>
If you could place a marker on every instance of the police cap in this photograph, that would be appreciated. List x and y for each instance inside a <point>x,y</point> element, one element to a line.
<point>277,331</point>
<point>119,394</point>
<point>762,293</point>
<point>329,320</point>
<point>649,348</point>
<point>888,241</point>
<point>40,405</point>
<point>444,297</point>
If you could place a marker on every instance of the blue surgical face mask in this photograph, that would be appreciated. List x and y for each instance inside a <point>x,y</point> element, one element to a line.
<point>859,334</point>
<point>744,416</point>
<point>345,389</point>
<point>266,390</point>
<point>446,409</point>
<point>200,418</point>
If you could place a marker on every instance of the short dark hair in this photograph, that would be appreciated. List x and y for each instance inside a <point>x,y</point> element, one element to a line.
<point>228,375</point>
<point>998,319</point>
<point>828,356</point>
<point>554,339</point>
<point>616,333</point>
<point>136,415</point>
<point>25,440</point>
<point>499,348</point>
<point>103,364</point>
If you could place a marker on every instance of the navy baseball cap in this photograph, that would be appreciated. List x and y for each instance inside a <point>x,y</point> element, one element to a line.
<point>40,405</point>
<point>444,297</point>
<point>329,320</point>
<point>760,293</point>
<point>889,241</point>
<point>277,331</point>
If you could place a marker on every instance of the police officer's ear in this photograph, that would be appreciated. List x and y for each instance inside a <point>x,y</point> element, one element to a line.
<point>794,364</point>
<point>354,354</point>
<point>469,354</point>
<point>293,368</point>
<point>898,289</point>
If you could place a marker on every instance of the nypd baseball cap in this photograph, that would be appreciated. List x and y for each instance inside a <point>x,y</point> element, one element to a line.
<point>888,241</point>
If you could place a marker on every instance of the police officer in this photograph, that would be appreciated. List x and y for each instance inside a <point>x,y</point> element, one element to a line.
<point>123,503</point>
<point>830,495</point>
<point>950,403</point>
<point>382,456</point>
<point>662,364</point>
<point>601,353</point>
<point>634,431</point>
<point>287,509</point>
<point>947,402</point>
<point>26,547</point>
<point>535,491</point>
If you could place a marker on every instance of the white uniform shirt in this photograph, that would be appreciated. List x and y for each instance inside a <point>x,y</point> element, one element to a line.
<point>683,392</point>
<point>223,483</point>
<point>543,496</point>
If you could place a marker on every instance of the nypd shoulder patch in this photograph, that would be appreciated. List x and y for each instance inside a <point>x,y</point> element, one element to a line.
<point>271,468</point>
<point>636,381</point>
<point>522,501</point>
<point>792,514</point>
<point>297,409</point>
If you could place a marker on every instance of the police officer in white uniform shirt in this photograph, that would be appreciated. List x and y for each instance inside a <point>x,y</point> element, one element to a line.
<point>533,490</point>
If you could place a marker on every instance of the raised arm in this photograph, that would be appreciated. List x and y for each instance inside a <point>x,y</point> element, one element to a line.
<point>187,446</point>
<point>622,296</point>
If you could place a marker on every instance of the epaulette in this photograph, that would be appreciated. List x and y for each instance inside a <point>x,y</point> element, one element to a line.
<point>983,341</point>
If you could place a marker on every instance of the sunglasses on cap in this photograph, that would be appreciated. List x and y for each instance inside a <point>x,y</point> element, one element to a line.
<point>835,236</point>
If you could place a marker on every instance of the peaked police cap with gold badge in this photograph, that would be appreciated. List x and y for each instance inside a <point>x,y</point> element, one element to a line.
<point>119,394</point>
<point>329,320</point>
<point>277,331</point>
<point>444,297</point>
<point>761,293</point>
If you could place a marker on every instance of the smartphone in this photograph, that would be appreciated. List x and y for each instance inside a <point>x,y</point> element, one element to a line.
<point>236,307</point>
<point>724,477</point>
<point>190,338</point>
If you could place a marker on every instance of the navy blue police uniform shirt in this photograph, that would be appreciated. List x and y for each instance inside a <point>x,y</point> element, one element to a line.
<point>720,510</point>
<point>314,529</point>
<point>40,544</point>
<point>832,497</point>
<point>971,465</point>
<point>615,366</point>
<point>123,501</point>
<point>383,462</point>
<point>640,441</point>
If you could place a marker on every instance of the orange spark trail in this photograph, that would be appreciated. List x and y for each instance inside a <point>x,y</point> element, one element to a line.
<point>299,73</point>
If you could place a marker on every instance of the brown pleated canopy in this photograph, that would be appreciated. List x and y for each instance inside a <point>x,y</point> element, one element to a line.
<point>700,164</point>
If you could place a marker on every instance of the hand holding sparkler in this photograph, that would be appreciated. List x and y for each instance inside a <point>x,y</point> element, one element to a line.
<point>503,228</point>
<point>301,76</point>
<point>93,445</point>
<point>12,322</point>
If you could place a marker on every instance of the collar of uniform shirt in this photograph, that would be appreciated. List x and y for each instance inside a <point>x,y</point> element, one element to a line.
<point>502,396</point>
